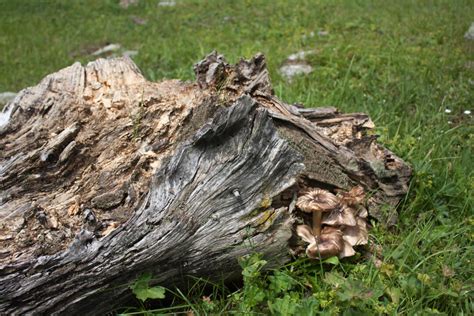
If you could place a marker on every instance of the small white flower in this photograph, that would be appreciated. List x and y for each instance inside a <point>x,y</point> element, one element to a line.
<point>467,112</point>
<point>447,111</point>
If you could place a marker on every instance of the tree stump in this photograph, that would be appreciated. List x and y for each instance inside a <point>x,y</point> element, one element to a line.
<point>105,175</point>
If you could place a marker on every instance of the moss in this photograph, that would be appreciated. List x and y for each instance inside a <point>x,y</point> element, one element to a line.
<point>263,206</point>
<point>266,202</point>
<point>264,217</point>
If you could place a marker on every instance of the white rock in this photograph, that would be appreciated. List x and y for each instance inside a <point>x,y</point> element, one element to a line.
<point>291,70</point>
<point>467,112</point>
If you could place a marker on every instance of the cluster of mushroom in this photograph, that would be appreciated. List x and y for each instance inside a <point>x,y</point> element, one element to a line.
<point>339,222</point>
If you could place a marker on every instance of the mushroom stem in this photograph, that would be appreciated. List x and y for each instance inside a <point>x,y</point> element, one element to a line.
<point>317,216</point>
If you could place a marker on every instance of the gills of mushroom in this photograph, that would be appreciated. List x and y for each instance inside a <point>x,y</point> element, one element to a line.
<point>317,201</point>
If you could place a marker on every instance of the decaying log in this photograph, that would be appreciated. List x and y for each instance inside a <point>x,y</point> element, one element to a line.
<point>105,175</point>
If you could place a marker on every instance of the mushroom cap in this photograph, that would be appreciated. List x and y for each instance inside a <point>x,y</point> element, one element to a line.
<point>330,244</point>
<point>317,200</point>
<point>343,216</point>
<point>356,235</point>
<point>354,197</point>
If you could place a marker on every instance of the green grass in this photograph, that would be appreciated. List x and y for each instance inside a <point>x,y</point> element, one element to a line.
<point>403,62</point>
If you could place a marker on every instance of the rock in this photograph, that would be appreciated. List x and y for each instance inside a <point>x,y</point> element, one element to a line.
<point>6,97</point>
<point>470,33</point>
<point>296,65</point>
<point>295,69</point>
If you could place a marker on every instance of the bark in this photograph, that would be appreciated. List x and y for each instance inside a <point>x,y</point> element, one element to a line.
<point>105,175</point>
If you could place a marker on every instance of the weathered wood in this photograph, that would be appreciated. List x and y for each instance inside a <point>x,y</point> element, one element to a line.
<point>105,175</point>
